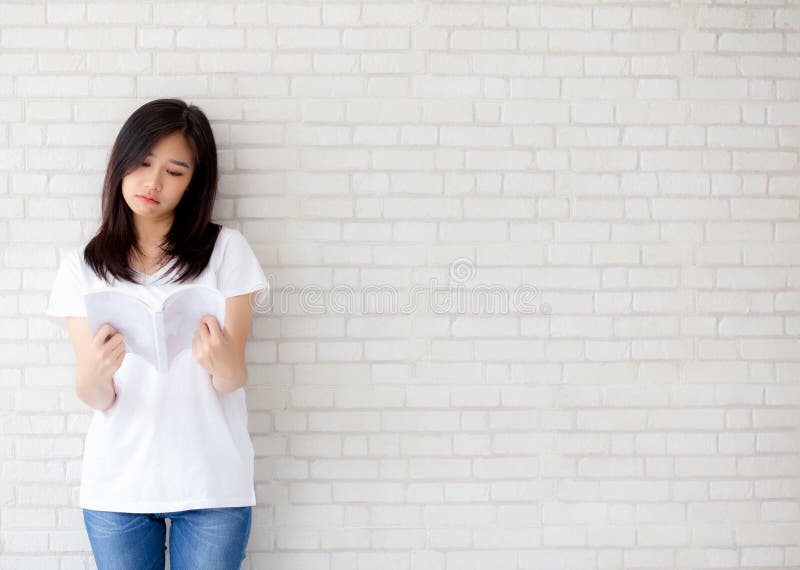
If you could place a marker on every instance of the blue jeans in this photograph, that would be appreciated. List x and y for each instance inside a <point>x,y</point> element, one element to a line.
<point>200,539</point>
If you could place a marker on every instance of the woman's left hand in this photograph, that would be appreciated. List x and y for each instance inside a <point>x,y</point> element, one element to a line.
<point>213,348</point>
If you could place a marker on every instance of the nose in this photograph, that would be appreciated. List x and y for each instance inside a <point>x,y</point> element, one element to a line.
<point>155,181</point>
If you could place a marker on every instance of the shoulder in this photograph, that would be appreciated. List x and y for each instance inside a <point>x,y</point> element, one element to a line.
<point>71,270</point>
<point>74,261</point>
<point>225,233</point>
<point>73,257</point>
<point>237,267</point>
<point>230,243</point>
<point>230,239</point>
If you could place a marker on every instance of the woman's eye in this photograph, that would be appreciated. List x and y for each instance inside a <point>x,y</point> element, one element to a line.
<point>172,172</point>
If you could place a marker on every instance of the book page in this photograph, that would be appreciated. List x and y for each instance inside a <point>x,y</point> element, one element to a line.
<point>183,311</point>
<point>130,316</point>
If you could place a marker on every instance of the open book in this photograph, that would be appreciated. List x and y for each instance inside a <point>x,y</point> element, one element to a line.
<point>155,332</point>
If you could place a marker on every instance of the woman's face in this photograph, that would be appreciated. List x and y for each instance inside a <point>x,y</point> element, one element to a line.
<point>154,188</point>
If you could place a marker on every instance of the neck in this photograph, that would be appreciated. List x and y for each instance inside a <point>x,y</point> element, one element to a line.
<point>151,232</point>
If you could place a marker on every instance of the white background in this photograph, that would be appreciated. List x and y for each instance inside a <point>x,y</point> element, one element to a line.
<point>635,162</point>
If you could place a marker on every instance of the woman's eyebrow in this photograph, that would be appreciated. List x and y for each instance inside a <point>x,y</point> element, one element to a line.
<point>178,162</point>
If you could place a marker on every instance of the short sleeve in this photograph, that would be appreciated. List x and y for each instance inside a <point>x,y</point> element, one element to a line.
<point>240,271</point>
<point>66,294</point>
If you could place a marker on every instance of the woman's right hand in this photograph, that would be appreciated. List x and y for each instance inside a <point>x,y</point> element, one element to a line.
<point>98,357</point>
<point>105,353</point>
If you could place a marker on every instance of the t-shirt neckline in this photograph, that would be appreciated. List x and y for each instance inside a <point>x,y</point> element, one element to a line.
<point>154,276</point>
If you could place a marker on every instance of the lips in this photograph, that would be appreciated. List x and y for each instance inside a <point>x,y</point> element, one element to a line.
<point>148,199</point>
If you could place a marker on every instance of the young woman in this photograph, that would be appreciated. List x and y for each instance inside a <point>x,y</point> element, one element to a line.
<point>173,444</point>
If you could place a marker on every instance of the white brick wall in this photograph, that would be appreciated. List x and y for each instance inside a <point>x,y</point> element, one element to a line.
<point>636,163</point>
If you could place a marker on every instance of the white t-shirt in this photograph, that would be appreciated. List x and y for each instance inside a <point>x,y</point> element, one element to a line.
<point>171,441</point>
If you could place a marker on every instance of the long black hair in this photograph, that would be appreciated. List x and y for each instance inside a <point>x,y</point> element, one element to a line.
<point>190,241</point>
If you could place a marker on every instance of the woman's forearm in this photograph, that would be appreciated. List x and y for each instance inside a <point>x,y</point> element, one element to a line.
<point>230,382</point>
<point>97,393</point>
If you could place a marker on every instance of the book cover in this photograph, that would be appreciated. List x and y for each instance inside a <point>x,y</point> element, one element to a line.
<point>155,332</point>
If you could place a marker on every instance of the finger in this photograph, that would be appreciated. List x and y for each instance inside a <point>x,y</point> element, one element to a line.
<point>110,354</point>
<point>213,327</point>
<point>115,340</point>
<point>119,353</point>
<point>113,351</point>
<point>197,348</point>
<point>103,333</point>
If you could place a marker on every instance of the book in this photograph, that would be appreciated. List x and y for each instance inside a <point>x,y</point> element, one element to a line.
<point>155,331</point>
